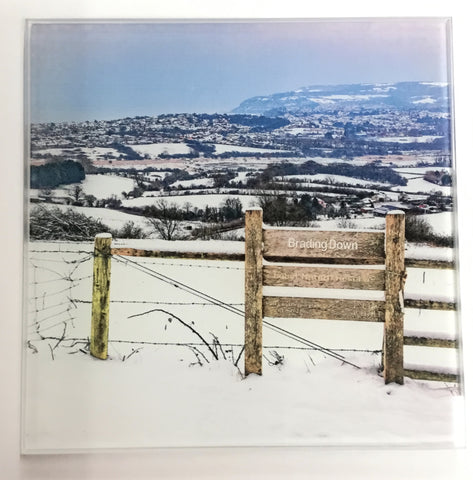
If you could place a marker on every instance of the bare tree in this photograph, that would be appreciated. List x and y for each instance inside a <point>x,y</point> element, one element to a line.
<point>76,192</point>
<point>90,200</point>
<point>165,218</point>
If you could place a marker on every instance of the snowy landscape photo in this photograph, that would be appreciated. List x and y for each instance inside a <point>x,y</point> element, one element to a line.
<point>157,141</point>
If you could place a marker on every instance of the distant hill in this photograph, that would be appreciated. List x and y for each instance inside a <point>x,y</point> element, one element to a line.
<point>429,96</point>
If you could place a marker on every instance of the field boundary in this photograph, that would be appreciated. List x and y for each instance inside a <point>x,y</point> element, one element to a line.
<point>408,340</point>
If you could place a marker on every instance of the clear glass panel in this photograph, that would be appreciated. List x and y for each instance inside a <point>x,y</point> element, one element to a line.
<point>162,135</point>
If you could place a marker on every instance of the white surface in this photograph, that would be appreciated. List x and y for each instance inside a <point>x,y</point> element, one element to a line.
<point>100,186</point>
<point>201,463</point>
<point>159,399</point>
<point>420,185</point>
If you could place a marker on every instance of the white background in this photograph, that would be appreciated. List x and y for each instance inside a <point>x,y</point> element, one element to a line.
<point>274,463</point>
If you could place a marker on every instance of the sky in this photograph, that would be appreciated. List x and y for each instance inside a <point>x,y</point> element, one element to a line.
<point>104,71</point>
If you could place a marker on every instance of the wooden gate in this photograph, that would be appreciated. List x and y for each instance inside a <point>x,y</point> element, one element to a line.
<point>364,260</point>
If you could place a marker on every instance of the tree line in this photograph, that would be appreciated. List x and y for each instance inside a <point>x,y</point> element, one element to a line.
<point>364,172</point>
<point>53,174</point>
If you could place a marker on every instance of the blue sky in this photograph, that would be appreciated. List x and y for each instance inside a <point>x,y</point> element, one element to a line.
<point>93,71</point>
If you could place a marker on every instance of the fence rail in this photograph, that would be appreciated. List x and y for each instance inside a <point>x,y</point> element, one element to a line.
<point>240,257</point>
<point>137,252</point>
<point>424,304</point>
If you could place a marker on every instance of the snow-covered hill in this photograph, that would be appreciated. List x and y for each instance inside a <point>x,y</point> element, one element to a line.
<point>320,98</point>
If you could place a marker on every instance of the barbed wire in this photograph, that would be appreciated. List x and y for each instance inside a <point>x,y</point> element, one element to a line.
<point>176,283</point>
<point>141,266</point>
<point>239,345</point>
<point>52,294</point>
<point>188,265</point>
<point>46,269</point>
<point>39,322</point>
<point>233,309</point>
<point>201,344</point>
<point>151,302</point>
<point>85,258</point>
<point>43,282</point>
<point>50,327</point>
<point>63,278</point>
<point>88,252</point>
<point>39,300</point>
<point>48,308</point>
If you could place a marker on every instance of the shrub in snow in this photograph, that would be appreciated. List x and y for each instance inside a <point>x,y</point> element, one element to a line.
<point>129,230</point>
<point>419,230</point>
<point>55,224</point>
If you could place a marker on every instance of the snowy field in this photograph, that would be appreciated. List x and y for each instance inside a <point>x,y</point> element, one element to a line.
<point>241,177</point>
<point>415,185</point>
<point>112,218</point>
<point>223,148</point>
<point>195,182</point>
<point>399,161</point>
<point>162,385</point>
<point>419,171</point>
<point>419,139</point>
<point>442,223</point>
<point>156,149</point>
<point>326,177</point>
<point>105,186</point>
<point>199,201</point>
<point>101,186</point>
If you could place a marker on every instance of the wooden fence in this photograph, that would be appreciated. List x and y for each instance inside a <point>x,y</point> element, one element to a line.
<point>361,260</point>
<point>361,250</point>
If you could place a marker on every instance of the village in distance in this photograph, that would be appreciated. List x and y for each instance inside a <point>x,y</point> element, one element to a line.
<point>344,154</point>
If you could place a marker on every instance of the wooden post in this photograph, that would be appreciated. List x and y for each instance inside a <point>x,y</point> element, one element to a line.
<point>253,291</point>
<point>101,296</point>
<point>394,316</point>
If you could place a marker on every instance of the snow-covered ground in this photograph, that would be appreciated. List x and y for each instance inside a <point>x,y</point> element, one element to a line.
<point>400,161</point>
<point>104,186</point>
<point>442,223</point>
<point>419,171</point>
<point>223,148</point>
<point>112,218</point>
<point>241,177</point>
<point>156,149</point>
<point>99,153</point>
<point>153,392</point>
<point>195,182</point>
<point>415,185</point>
<point>101,186</point>
<point>326,177</point>
<point>419,139</point>
<point>199,201</point>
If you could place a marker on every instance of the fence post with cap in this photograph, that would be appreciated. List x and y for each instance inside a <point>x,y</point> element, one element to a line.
<point>101,296</point>
<point>393,351</point>
<point>253,291</point>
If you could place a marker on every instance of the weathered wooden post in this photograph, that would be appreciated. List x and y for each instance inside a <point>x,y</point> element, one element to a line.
<point>253,291</point>
<point>394,316</point>
<point>101,296</point>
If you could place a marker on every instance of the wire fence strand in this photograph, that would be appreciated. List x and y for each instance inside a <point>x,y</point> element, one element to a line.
<point>144,267</point>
